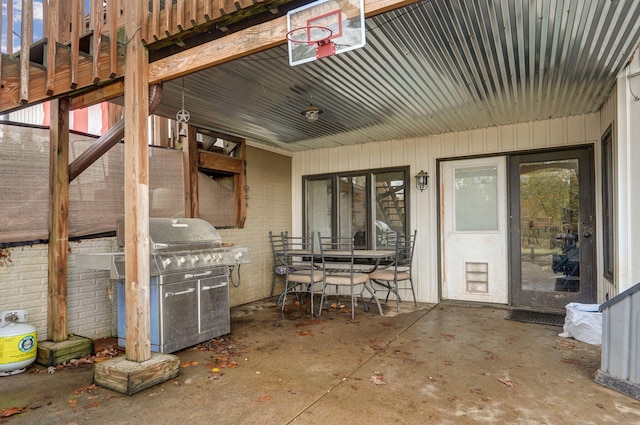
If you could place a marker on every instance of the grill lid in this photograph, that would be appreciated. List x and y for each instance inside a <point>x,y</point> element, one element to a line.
<point>174,234</point>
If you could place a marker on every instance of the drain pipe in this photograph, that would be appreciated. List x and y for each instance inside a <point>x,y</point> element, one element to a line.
<point>110,138</point>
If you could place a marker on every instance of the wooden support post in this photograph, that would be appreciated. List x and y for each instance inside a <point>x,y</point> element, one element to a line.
<point>58,223</point>
<point>136,187</point>
<point>241,194</point>
<point>190,170</point>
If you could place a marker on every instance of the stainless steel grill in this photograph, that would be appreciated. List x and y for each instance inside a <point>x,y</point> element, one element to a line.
<point>189,281</point>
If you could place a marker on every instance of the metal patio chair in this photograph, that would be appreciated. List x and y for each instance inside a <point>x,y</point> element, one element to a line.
<point>301,271</point>
<point>398,271</point>
<point>279,267</point>
<point>340,270</point>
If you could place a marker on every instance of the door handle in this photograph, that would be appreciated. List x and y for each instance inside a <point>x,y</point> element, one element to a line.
<point>191,275</point>
<point>173,294</point>
<point>586,234</point>
<point>221,285</point>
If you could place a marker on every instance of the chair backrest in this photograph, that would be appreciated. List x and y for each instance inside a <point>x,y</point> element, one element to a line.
<point>404,249</point>
<point>278,250</point>
<point>344,244</point>
<point>299,252</point>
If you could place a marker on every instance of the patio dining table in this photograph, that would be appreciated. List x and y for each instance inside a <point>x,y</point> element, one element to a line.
<point>370,259</point>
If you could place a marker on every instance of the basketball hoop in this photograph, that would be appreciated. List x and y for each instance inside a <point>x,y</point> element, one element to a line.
<point>313,34</point>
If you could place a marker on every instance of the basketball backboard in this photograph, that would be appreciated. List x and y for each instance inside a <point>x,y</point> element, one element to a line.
<point>324,28</point>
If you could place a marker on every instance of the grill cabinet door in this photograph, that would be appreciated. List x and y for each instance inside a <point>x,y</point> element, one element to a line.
<point>179,327</point>
<point>214,307</point>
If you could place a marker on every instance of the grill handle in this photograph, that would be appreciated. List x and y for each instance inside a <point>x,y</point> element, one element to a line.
<point>221,285</point>
<point>171,294</point>
<point>191,276</point>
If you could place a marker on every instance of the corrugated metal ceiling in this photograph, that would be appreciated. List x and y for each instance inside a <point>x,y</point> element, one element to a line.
<point>432,67</point>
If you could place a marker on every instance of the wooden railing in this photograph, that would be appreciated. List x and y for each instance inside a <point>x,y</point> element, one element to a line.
<point>55,47</point>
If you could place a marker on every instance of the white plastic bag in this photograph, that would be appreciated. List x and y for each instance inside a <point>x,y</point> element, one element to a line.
<point>583,322</point>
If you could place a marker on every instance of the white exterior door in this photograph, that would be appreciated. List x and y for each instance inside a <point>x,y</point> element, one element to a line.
<point>474,230</point>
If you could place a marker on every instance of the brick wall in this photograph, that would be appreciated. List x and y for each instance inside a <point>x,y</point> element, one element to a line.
<point>268,208</point>
<point>91,307</point>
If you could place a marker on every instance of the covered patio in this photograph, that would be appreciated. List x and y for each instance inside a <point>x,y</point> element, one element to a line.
<point>437,363</point>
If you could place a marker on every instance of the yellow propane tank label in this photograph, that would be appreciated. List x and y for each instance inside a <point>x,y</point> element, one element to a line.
<point>18,348</point>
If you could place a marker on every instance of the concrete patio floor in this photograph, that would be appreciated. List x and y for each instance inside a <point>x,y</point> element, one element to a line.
<point>440,364</point>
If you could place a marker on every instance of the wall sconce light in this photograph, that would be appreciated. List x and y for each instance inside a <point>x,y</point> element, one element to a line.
<point>422,180</point>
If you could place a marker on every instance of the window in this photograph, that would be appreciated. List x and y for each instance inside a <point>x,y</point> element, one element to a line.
<point>221,179</point>
<point>365,204</point>
<point>608,180</point>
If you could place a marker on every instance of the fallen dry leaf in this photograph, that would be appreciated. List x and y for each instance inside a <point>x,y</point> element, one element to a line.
<point>264,398</point>
<point>508,382</point>
<point>10,411</point>
<point>448,337</point>
<point>85,389</point>
<point>304,332</point>
<point>72,402</point>
<point>377,378</point>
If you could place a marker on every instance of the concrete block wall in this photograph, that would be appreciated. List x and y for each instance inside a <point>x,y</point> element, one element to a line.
<point>91,294</point>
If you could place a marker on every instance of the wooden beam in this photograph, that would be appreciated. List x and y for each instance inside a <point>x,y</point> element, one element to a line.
<point>136,188</point>
<point>58,221</point>
<point>190,174</point>
<point>239,44</point>
<point>104,93</point>
<point>215,161</point>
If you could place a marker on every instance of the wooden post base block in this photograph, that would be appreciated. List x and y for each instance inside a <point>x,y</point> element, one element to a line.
<point>54,353</point>
<point>129,377</point>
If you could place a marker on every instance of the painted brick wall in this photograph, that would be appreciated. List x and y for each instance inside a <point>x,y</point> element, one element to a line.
<point>268,208</point>
<point>91,305</point>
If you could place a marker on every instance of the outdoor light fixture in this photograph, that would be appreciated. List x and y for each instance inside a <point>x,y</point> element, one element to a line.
<point>312,113</point>
<point>422,180</point>
<point>182,132</point>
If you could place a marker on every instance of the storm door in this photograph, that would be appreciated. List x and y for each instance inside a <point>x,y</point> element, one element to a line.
<point>552,220</point>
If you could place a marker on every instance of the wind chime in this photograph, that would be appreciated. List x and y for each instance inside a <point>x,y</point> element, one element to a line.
<point>183,116</point>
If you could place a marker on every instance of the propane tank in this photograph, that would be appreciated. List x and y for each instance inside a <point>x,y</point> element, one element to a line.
<point>18,342</point>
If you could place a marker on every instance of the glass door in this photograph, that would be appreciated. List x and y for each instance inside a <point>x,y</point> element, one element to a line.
<point>552,219</point>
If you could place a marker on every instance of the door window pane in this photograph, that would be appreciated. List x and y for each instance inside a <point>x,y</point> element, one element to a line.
<point>476,198</point>
<point>319,205</point>
<point>549,206</point>
<point>390,207</point>
<point>352,205</point>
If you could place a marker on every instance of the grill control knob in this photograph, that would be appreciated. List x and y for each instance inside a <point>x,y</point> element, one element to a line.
<point>207,258</point>
<point>166,262</point>
<point>181,261</point>
<point>194,260</point>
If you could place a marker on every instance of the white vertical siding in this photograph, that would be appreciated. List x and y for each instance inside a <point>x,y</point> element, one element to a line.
<point>627,152</point>
<point>422,153</point>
